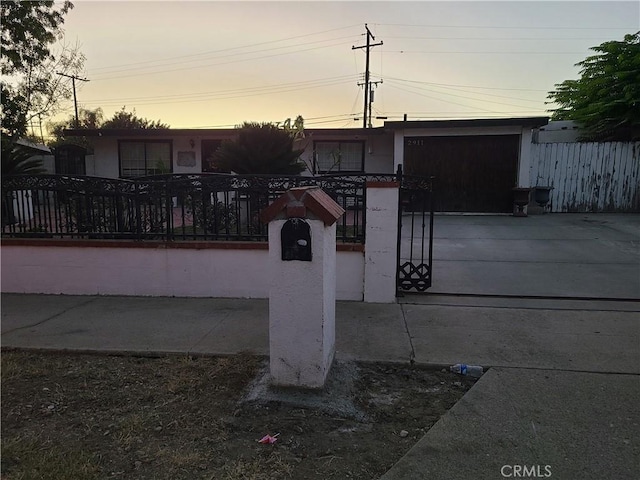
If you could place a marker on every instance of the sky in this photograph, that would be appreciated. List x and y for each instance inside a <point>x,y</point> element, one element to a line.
<point>211,64</point>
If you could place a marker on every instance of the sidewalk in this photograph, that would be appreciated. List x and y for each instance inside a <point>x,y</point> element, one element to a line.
<point>562,390</point>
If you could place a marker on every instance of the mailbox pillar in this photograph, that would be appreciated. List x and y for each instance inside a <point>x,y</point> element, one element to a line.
<point>302,294</point>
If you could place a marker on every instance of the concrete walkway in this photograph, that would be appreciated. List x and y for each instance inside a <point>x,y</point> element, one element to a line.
<point>561,394</point>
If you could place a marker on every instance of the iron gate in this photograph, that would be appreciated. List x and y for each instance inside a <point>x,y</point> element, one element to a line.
<point>415,233</point>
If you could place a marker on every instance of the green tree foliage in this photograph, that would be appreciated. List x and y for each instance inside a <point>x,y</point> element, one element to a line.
<point>30,86</point>
<point>260,148</point>
<point>605,100</point>
<point>94,119</point>
<point>17,159</point>
<point>87,118</point>
<point>129,120</point>
<point>28,30</point>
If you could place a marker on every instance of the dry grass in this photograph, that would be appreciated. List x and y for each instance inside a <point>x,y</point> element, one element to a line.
<point>86,417</point>
<point>271,466</point>
<point>43,459</point>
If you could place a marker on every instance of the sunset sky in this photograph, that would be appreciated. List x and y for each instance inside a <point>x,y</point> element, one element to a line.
<point>217,64</point>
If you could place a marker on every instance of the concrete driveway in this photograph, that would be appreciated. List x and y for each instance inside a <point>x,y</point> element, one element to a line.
<point>594,256</point>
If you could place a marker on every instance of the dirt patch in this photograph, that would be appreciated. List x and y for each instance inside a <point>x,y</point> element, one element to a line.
<point>72,416</point>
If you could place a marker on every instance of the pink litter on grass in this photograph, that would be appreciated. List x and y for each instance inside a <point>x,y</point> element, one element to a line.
<point>268,439</point>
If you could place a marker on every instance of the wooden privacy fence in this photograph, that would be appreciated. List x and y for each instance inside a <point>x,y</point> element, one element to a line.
<point>588,177</point>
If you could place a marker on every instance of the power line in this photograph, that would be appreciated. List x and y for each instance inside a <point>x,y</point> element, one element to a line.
<point>228,49</point>
<point>265,88</point>
<point>310,120</point>
<point>493,102</point>
<point>465,86</point>
<point>224,96</point>
<point>504,27</point>
<point>221,63</point>
<point>476,93</point>
<point>480,52</point>
<point>222,56</point>
<point>439,99</point>
<point>537,39</point>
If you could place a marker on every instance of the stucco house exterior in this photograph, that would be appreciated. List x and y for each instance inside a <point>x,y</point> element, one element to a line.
<point>477,162</point>
<point>129,153</point>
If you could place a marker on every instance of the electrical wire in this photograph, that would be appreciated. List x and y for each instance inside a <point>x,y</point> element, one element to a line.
<point>217,64</point>
<point>479,52</point>
<point>504,27</point>
<point>225,97</point>
<point>181,57</point>
<point>223,56</point>
<point>265,88</point>
<point>438,99</point>
<point>475,99</point>
<point>476,93</point>
<point>464,86</point>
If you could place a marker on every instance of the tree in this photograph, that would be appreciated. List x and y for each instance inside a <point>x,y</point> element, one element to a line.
<point>87,118</point>
<point>94,119</point>
<point>605,100</point>
<point>17,159</point>
<point>128,120</point>
<point>260,148</point>
<point>30,86</point>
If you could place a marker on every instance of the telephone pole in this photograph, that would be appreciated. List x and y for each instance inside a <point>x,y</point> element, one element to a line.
<point>367,104</point>
<point>73,83</point>
<point>371,84</point>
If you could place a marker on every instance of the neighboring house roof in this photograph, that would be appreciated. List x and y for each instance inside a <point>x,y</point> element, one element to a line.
<point>476,122</point>
<point>561,131</point>
<point>37,148</point>
<point>200,132</point>
<point>145,132</point>
<point>532,122</point>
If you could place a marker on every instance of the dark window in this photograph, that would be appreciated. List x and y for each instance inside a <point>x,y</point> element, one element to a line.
<point>70,160</point>
<point>208,148</point>
<point>144,157</point>
<point>340,156</point>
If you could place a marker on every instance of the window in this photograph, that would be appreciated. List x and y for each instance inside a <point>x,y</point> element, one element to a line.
<point>208,148</point>
<point>345,156</point>
<point>144,157</point>
<point>70,160</point>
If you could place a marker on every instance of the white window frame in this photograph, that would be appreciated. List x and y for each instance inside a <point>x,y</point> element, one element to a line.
<point>326,165</point>
<point>146,163</point>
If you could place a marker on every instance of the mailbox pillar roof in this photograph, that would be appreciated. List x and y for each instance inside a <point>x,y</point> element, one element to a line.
<point>300,199</point>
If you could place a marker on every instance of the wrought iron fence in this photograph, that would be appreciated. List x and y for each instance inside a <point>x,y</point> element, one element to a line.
<point>163,207</point>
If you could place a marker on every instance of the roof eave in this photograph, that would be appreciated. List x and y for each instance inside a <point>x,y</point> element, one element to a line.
<point>532,122</point>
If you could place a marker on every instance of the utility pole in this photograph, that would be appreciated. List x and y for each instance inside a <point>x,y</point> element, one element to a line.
<point>371,84</point>
<point>73,83</point>
<point>367,104</point>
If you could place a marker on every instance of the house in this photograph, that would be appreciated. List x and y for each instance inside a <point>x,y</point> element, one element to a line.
<point>561,131</point>
<point>121,153</point>
<point>476,162</point>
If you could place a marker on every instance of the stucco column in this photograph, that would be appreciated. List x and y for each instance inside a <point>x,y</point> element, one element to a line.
<point>302,300</point>
<point>524,165</point>
<point>398,149</point>
<point>381,242</point>
<point>302,294</point>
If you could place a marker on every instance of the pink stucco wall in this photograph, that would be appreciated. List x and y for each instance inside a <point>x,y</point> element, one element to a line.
<point>188,272</point>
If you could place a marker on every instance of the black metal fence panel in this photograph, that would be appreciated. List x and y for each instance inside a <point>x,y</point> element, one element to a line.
<point>415,233</point>
<point>164,207</point>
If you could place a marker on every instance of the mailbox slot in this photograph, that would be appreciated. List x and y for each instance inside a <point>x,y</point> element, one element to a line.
<point>295,238</point>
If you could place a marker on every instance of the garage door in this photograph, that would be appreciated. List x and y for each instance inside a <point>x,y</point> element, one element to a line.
<point>472,173</point>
